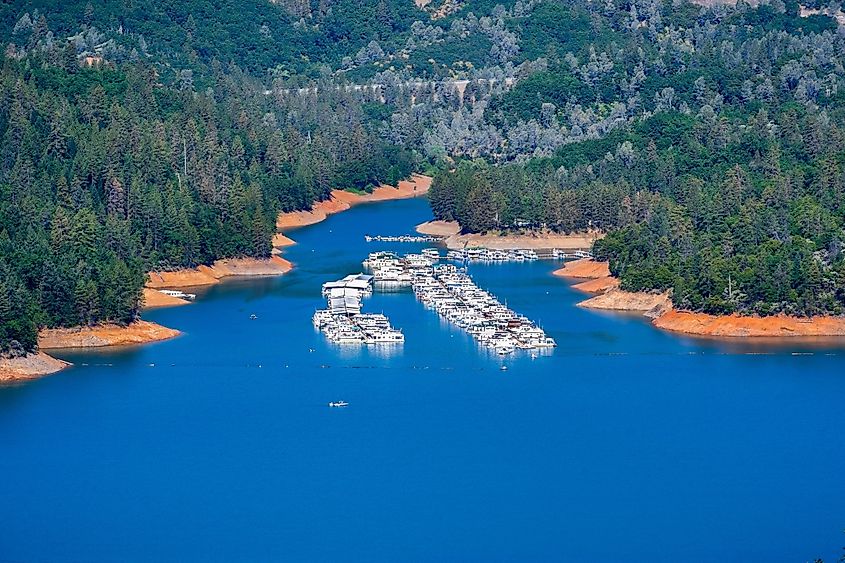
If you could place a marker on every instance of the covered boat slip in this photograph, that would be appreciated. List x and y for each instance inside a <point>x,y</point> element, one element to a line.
<point>344,296</point>
<point>342,321</point>
<point>362,283</point>
<point>345,301</point>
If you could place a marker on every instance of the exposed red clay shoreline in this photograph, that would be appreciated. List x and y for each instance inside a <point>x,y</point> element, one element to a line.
<point>737,326</point>
<point>138,332</point>
<point>342,200</point>
<point>439,228</point>
<point>39,364</point>
<point>585,268</point>
<point>597,285</point>
<point>281,241</point>
<point>31,366</point>
<point>617,300</point>
<point>608,296</point>
<point>210,275</point>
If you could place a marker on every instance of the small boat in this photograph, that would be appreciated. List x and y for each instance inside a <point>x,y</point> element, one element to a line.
<point>179,294</point>
<point>253,316</point>
<point>338,404</point>
<point>504,368</point>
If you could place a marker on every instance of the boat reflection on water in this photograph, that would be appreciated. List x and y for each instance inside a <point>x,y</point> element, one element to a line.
<point>379,351</point>
<point>530,354</point>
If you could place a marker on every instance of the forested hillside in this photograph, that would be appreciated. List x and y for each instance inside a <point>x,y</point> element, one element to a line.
<point>106,172</point>
<point>257,35</point>
<point>706,142</point>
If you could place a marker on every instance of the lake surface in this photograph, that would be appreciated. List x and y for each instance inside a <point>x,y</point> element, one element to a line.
<point>626,443</point>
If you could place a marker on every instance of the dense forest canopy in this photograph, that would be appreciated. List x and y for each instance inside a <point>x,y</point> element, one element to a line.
<point>256,34</point>
<point>706,142</point>
<point>107,173</point>
<point>707,145</point>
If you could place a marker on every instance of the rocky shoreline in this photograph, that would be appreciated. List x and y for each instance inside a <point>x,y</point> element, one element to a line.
<point>39,364</point>
<point>341,200</point>
<point>154,299</point>
<point>531,240</point>
<point>138,332</point>
<point>615,299</point>
<point>594,277</point>
<point>439,228</point>
<point>210,275</point>
<point>31,366</point>
<point>778,326</point>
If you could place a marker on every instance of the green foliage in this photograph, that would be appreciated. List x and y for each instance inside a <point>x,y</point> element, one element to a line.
<point>254,34</point>
<point>706,143</point>
<point>555,28</point>
<point>755,226</point>
<point>106,174</point>
<point>473,49</point>
<point>527,97</point>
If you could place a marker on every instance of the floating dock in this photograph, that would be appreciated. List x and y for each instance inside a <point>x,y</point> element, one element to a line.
<point>447,289</point>
<point>343,322</point>
<point>390,269</point>
<point>490,256</point>
<point>404,238</point>
<point>452,293</point>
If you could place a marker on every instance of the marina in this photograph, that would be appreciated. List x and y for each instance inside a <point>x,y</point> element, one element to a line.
<point>388,267</point>
<point>701,424</point>
<point>343,322</point>
<point>450,291</point>
<point>490,256</point>
<point>493,256</point>
<point>403,238</point>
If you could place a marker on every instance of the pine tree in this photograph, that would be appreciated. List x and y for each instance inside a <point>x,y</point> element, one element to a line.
<point>70,63</point>
<point>116,198</point>
<point>60,230</point>
<point>86,302</point>
<point>261,237</point>
<point>84,233</point>
<point>481,212</point>
<point>88,16</point>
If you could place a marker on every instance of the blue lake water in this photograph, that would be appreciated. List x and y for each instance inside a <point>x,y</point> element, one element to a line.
<point>626,443</point>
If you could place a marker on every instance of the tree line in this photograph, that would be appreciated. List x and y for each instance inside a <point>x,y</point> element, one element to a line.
<point>107,173</point>
<point>751,220</point>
